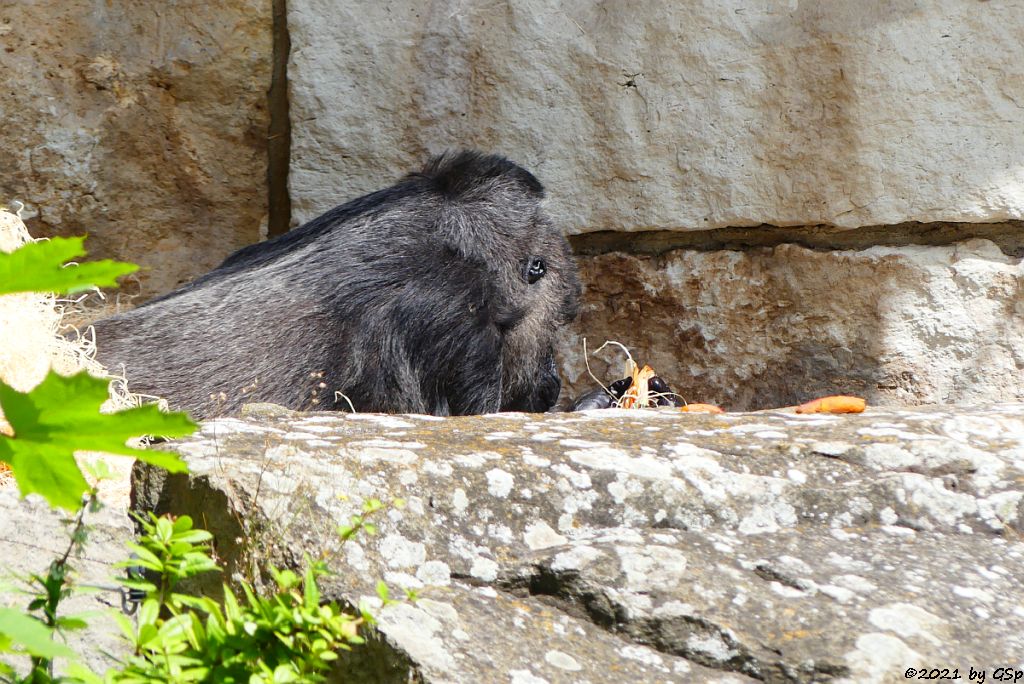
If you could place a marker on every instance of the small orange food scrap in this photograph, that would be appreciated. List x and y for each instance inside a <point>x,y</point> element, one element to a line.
<point>638,394</point>
<point>700,408</point>
<point>834,404</point>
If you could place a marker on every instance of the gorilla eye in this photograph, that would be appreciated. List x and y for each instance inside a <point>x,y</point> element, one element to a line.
<point>534,269</point>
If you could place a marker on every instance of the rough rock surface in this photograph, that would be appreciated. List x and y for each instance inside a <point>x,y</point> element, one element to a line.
<point>673,115</point>
<point>142,125</point>
<point>773,327</point>
<point>32,535</point>
<point>642,546</point>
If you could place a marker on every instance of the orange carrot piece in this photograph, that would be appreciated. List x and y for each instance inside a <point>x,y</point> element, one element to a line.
<point>834,404</point>
<point>637,394</point>
<point>700,408</point>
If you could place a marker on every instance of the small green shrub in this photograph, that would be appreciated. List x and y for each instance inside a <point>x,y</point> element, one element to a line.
<point>288,636</point>
<point>35,633</point>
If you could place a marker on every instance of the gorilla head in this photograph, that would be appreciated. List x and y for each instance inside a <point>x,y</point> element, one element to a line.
<point>442,294</point>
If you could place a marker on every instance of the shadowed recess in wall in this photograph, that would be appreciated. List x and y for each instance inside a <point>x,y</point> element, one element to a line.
<point>279,136</point>
<point>1008,235</point>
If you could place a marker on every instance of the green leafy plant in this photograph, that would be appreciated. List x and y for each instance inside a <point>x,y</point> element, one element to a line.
<point>23,634</point>
<point>361,522</point>
<point>61,416</point>
<point>35,633</point>
<point>39,267</point>
<point>51,589</point>
<point>288,636</point>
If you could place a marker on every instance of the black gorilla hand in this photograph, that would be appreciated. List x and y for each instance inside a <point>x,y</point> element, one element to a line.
<point>601,398</point>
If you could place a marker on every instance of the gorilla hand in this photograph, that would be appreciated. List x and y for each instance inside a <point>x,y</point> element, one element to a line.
<point>602,398</point>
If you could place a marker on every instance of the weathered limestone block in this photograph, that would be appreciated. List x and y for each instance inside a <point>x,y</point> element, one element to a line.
<point>778,326</point>
<point>641,546</point>
<point>141,124</point>
<point>32,535</point>
<point>683,116</point>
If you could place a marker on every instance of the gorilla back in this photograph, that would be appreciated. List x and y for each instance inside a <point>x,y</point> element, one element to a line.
<point>442,294</point>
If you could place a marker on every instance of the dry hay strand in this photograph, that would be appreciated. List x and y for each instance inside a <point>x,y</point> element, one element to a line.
<point>32,339</point>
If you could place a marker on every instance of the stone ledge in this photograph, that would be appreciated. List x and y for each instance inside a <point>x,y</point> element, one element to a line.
<point>772,546</point>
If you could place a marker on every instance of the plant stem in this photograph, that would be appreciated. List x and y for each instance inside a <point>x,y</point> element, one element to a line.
<point>55,583</point>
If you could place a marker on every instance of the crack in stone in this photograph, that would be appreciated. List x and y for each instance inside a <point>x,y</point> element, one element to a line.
<point>770,574</point>
<point>279,133</point>
<point>1009,236</point>
<point>702,637</point>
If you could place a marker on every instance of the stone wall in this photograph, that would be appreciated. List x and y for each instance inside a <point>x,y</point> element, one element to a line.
<point>677,116</point>
<point>143,124</point>
<point>776,326</point>
<point>854,124</point>
<point>769,200</point>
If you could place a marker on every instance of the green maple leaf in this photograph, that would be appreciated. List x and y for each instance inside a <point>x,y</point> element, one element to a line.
<point>61,416</point>
<point>18,629</point>
<point>38,267</point>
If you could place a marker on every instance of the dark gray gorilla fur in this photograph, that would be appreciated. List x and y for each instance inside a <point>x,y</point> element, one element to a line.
<point>412,299</point>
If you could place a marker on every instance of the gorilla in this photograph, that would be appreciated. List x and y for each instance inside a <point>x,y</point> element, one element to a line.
<point>441,294</point>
